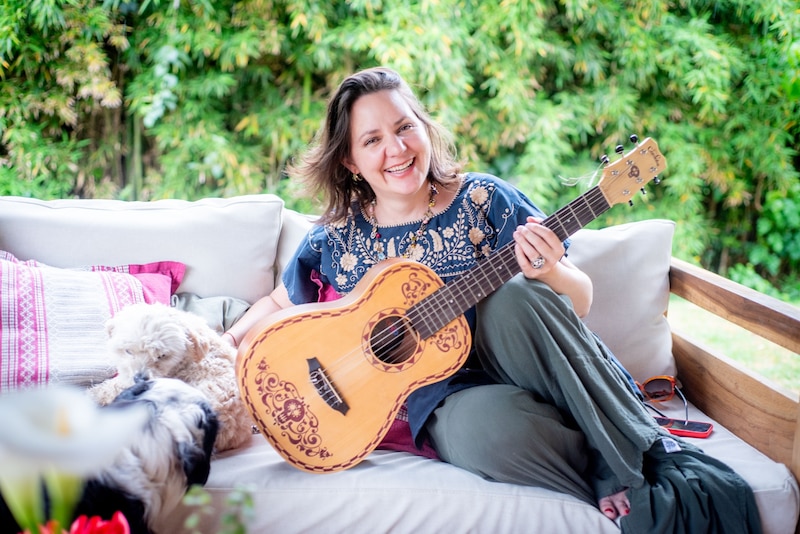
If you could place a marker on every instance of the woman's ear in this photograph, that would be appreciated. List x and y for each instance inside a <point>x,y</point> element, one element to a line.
<point>349,165</point>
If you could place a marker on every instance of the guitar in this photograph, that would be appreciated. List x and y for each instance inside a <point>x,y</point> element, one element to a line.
<point>324,381</point>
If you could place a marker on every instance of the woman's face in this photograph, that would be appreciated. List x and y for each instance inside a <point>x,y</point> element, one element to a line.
<point>391,149</point>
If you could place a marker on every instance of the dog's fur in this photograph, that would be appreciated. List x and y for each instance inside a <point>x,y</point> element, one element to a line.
<point>150,477</point>
<point>165,342</point>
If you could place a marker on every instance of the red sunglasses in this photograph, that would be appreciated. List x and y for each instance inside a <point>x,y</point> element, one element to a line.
<point>663,388</point>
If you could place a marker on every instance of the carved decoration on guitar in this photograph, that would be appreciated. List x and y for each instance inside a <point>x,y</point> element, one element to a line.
<point>415,288</point>
<point>449,338</point>
<point>290,413</point>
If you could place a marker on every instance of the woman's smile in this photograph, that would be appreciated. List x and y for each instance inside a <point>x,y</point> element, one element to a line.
<point>402,167</point>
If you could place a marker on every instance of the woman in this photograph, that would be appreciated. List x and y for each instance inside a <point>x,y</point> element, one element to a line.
<point>538,386</point>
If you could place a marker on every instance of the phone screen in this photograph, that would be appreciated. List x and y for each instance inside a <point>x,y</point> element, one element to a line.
<point>679,427</point>
<point>679,424</point>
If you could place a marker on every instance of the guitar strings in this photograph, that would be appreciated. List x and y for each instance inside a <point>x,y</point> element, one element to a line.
<point>592,203</point>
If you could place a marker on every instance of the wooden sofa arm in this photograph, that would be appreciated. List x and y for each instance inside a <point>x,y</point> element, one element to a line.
<point>751,407</point>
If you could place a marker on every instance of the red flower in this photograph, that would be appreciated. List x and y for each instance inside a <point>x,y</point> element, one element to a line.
<point>95,525</point>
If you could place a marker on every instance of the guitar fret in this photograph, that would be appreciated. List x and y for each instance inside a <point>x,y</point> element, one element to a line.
<point>563,228</point>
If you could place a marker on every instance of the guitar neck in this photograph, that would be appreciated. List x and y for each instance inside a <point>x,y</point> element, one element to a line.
<point>442,306</point>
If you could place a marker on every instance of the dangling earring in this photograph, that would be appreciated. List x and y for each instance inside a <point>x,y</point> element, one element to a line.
<point>357,177</point>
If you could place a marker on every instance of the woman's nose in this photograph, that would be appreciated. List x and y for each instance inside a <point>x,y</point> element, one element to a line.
<point>396,145</point>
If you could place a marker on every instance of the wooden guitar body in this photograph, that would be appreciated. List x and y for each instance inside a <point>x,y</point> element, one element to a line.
<point>325,381</point>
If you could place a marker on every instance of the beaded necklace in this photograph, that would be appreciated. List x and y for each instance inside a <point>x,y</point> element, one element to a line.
<point>376,236</point>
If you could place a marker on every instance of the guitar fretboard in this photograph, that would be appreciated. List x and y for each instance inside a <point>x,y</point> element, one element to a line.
<point>442,306</point>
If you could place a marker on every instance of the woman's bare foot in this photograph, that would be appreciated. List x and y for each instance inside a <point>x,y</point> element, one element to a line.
<point>616,505</point>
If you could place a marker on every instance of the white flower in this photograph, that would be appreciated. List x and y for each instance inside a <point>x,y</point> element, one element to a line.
<point>349,261</point>
<point>479,195</point>
<point>476,235</point>
<point>59,436</point>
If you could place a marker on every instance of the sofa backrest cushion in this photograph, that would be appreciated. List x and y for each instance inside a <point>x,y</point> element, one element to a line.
<point>229,246</point>
<point>629,267</point>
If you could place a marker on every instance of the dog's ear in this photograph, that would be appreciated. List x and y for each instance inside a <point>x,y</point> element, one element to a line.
<point>198,333</point>
<point>196,458</point>
<point>196,465</point>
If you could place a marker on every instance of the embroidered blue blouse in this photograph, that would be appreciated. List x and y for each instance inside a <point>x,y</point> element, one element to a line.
<point>482,217</point>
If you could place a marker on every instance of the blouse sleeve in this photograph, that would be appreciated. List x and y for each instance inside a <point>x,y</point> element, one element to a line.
<point>300,273</point>
<point>511,207</point>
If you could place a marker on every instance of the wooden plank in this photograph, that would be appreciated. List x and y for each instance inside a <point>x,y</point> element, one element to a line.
<point>768,317</point>
<point>747,405</point>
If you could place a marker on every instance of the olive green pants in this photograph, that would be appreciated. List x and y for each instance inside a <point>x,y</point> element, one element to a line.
<point>562,415</point>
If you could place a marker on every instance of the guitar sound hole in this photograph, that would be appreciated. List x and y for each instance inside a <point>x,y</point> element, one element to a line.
<point>393,341</point>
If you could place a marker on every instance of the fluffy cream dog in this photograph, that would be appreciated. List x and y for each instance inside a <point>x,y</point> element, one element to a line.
<point>161,341</point>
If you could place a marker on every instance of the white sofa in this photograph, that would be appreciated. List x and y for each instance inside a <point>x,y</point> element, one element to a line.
<point>235,247</point>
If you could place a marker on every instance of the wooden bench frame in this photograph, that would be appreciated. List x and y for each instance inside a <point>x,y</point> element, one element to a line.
<point>761,413</point>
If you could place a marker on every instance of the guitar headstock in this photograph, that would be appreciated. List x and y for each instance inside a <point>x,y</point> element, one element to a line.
<point>627,175</point>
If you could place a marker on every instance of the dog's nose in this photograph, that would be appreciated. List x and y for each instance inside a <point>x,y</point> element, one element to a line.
<point>142,375</point>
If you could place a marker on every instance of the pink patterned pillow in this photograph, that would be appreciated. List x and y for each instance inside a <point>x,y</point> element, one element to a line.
<point>52,320</point>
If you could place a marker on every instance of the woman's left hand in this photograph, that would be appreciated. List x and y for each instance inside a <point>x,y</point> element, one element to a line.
<point>538,248</point>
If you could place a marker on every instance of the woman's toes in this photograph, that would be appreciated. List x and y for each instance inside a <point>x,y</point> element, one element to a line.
<point>616,505</point>
<point>608,508</point>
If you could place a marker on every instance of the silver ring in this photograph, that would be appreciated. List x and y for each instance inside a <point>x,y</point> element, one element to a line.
<point>538,263</point>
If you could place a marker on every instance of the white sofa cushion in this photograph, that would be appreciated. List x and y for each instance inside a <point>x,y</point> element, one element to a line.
<point>629,267</point>
<point>229,246</point>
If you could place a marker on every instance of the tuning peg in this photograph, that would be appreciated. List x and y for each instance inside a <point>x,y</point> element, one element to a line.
<point>644,191</point>
<point>630,203</point>
<point>656,180</point>
<point>620,149</point>
<point>604,159</point>
<point>635,139</point>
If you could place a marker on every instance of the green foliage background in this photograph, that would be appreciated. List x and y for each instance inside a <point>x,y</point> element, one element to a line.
<point>148,99</point>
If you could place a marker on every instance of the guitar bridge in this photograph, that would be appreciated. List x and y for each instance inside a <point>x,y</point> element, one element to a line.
<point>325,387</point>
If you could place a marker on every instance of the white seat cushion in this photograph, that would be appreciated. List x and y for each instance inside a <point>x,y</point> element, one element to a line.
<point>399,492</point>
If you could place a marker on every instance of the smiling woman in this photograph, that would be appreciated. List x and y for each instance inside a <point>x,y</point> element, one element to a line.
<point>57,437</point>
<point>528,394</point>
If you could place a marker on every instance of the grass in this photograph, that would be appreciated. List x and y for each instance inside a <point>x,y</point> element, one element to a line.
<point>771,361</point>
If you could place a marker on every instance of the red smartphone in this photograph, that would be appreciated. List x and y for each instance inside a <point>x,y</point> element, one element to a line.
<point>688,429</point>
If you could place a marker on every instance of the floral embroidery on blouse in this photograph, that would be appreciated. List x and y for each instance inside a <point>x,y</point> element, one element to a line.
<point>482,217</point>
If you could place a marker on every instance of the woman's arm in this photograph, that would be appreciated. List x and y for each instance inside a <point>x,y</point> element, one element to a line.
<point>534,241</point>
<point>275,301</point>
